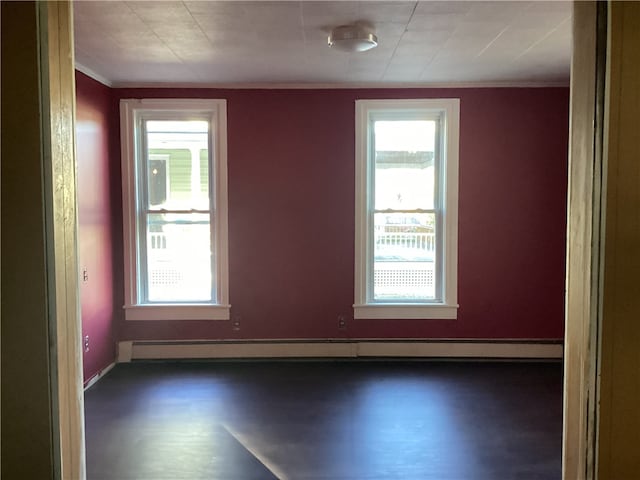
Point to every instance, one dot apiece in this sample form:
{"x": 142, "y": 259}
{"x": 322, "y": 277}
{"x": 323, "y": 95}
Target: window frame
{"x": 446, "y": 203}
{"x": 215, "y": 111}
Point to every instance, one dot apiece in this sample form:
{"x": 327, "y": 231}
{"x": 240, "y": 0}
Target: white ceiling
{"x": 264, "y": 42}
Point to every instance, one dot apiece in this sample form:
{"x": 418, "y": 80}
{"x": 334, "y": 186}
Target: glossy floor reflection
{"x": 326, "y": 420}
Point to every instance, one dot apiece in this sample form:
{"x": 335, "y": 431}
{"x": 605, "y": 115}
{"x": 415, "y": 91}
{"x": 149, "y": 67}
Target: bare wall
{"x": 95, "y": 224}
{"x": 291, "y": 210}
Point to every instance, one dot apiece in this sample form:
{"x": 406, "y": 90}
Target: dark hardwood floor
{"x": 326, "y": 420}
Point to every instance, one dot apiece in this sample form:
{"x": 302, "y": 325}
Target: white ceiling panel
{"x": 425, "y": 8}
{"x": 264, "y": 42}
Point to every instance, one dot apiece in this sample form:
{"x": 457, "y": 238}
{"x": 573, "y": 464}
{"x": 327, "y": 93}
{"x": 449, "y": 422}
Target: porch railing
{"x": 410, "y": 240}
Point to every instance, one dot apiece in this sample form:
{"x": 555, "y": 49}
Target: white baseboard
{"x": 93, "y": 380}
{"x": 515, "y": 349}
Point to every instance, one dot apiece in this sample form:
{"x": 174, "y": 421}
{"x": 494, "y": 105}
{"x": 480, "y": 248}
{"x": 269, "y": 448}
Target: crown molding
{"x": 337, "y": 86}
{"x": 97, "y": 77}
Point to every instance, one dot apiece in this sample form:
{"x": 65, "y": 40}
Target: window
{"x": 175, "y": 209}
{"x": 406, "y": 208}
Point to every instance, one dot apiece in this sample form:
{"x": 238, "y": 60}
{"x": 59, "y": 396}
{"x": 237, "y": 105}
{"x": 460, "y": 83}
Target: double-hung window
{"x": 175, "y": 209}
{"x": 406, "y": 208}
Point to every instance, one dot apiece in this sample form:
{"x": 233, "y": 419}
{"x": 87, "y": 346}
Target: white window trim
{"x": 174, "y": 311}
{"x": 364, "y": 307}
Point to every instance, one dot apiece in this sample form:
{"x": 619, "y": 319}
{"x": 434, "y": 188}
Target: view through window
{"x": 174, "y": 172}
{"x": 406, "y": 208}
{"x": 177, "y": 256}
{"x": 405, "y": 215}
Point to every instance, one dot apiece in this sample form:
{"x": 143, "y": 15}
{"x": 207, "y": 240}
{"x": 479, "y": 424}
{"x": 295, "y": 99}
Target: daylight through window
{"x": 174, "y": 167}
{"x": 406, "y": 208}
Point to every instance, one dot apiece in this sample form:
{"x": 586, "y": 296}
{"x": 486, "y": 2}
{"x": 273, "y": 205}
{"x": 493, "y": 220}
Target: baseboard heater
{"x": 364, "y": 348}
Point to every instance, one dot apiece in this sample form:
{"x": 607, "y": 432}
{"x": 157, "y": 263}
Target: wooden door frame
{"x": 42, "y": 397}
{"x": 585, "y": 240}
{"x": 61, "y": 225}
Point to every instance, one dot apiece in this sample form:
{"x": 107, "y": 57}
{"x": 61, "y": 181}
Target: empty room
{"x": 320, "y": 240}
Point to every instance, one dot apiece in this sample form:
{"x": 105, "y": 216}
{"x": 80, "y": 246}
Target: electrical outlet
{"x": 236, "y": 323}
{"x": 342, "y": 322}
{"x": 86, "y": 343}
{"x": 85, "y": 275}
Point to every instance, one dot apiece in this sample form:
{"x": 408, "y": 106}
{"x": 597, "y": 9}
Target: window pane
{"x": 204, "y": 170}
{"x": 157, "y": 178}
{"x": 404, "y": 170}
{"x": 404, "y": 266}
{"x": 178, "y": 258}
{"x": 177, "y": 156}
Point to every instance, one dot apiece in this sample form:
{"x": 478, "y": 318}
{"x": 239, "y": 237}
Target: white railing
{"x": 408, "y": 268}
{"x": 157, "y": 241}
{"x": 412, "y": 240}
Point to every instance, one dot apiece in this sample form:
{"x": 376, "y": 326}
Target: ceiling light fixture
{"x": 352, "y": 38}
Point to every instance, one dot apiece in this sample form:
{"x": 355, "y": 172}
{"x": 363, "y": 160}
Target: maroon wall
{"x": 94, "y": 117}
{"x": 291, "y": 216}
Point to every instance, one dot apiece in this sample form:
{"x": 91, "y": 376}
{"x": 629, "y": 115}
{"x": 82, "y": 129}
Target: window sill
{"x": 177, "y": 312}
{"x": 405, "y": 311}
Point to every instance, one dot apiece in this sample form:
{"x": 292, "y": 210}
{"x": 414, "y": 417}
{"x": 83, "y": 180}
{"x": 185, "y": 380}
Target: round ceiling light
{"x": 352, "y": 38}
